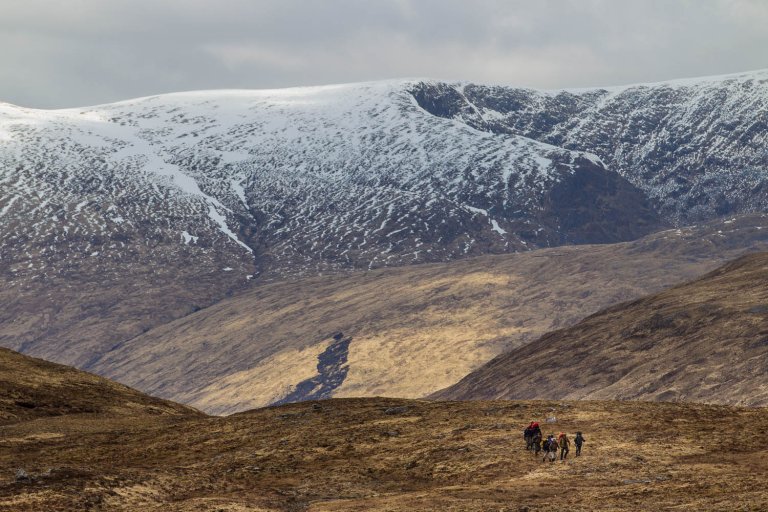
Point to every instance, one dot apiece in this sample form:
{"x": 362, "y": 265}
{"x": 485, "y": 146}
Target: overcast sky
{"x": 63, "y": 53}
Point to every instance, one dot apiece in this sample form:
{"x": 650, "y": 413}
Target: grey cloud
{"x": 58, "y": 54}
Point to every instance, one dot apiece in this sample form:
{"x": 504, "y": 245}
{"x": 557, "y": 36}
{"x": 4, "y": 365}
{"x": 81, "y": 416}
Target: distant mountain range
{"x": 292, "y": 181}
{"x": 120, "y": 218}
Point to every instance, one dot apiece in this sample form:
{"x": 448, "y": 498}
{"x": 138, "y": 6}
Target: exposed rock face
{"x": 697, "y": 147}
{"x": 704, "y": 341}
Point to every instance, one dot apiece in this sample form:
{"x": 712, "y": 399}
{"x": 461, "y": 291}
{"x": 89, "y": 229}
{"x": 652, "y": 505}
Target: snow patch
{"x": 222, "y": 223}
{"x": 476, "y": 210}
{"x": 237, "y": 186}
{"x": 188, "y": 238}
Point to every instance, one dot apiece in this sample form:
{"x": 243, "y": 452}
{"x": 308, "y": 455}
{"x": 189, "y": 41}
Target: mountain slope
{"x": 128, "y": 215}
{"x": 119, "y": 218}
{"x": 702, "y": 341}
{"x": 308, "y": 176}
{"x": 407, "y": 331}
{"x": 696, "y": 146}
{"x": 32, "y": 388}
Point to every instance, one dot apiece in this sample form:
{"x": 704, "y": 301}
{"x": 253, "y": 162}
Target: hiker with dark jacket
{"x": 564, "y": 443}
{"x": 528, "y": 436}
{"x": 550, "y": 448}
{"x": 578, "y": 441}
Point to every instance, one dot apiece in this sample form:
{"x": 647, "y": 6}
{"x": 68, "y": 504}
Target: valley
{"x": 123, "y": 225}
{"x": 413, "y": 330}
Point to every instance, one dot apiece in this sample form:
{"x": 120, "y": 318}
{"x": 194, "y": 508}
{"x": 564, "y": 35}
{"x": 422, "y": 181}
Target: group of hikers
{"x": 535, "y": 442}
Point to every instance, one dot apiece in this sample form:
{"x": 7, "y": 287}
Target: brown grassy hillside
{"x": 32, "y": 388}
{"x": 702, "y": 341}
{"x": 413, "y": 330}
{"x": 391, "y": 455}
{"x": 74, "y": 317}
{"x": 89, "y": 444}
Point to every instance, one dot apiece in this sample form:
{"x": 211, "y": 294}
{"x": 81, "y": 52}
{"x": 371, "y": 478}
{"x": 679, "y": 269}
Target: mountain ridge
{"x": 694, "y": 146}
{"x": 406, "y": 80}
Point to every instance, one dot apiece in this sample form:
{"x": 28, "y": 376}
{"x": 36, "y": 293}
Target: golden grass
{"x": 415, "y": 330}
{"x": 705, "y": 340}
{"x": 273, "y": 378}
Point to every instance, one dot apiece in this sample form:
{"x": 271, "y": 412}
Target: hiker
{"x": 537, "y": 442}
{"x": 528, "y": 436}
{"x": 530, "y": 433}
{"x": 578, "y": 441}
{"x": 550, "y": 448}
{"x": 564, "y": 443}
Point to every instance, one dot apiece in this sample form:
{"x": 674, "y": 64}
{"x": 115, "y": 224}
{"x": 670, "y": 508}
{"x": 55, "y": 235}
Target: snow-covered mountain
{"x": 120, "y": 217}
{"x": 295, "y": 180}
{"x": 698, "y": 147}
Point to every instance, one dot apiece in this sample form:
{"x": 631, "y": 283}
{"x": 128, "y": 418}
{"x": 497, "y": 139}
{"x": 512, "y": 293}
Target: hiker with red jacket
{"x": 530, "y": 434}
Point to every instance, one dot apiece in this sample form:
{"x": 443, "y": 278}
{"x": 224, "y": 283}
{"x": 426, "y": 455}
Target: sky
{"x": 68, "y": 53}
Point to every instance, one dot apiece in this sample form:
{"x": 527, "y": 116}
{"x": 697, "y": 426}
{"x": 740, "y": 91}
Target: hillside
{"x": 394, "y": 455}
{"x": 32, "y": 388}
{"x": 407, "y": 331}
{"x": 293, "y": 181}
{"x": 704, "y": 341}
